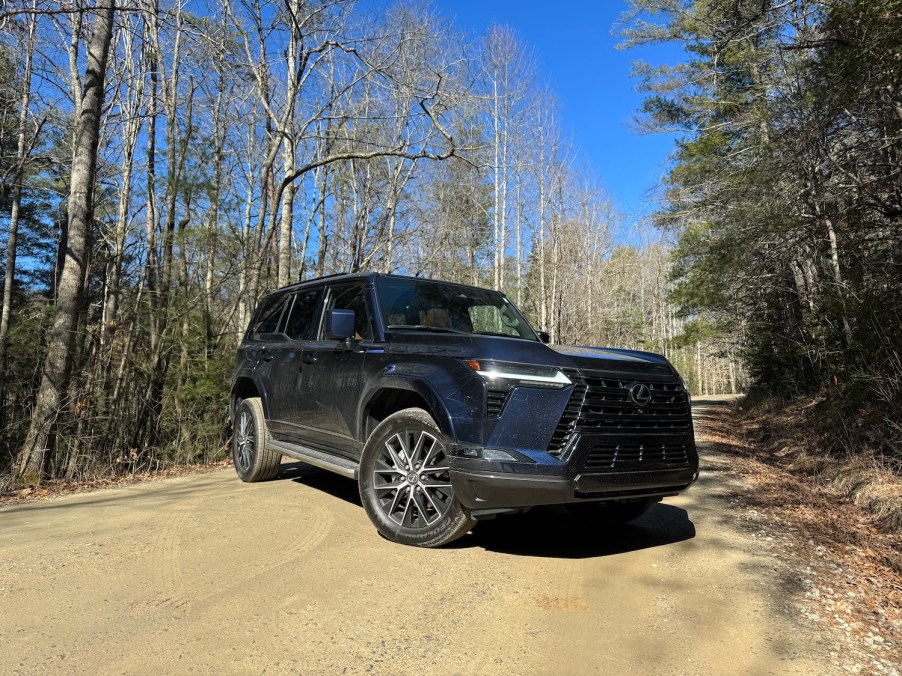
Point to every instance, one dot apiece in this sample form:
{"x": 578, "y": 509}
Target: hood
{"x": 531, "y": 352}
{"x": 613, "y": 359}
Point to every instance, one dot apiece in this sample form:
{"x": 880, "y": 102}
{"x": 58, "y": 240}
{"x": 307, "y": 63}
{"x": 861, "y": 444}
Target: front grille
{"x": 607, "y": 406}
{"x": 601, "y": 404}
{"x": 636, "y": 456}
{"x": 495, "y": 401}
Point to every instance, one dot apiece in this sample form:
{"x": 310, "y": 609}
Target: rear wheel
{"x": 254, "y": 460}
{"x": 405, "y": 482}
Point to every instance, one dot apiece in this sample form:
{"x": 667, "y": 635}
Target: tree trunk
{"x": 18, "y": 176}
{"x": 839, "y": 281}
{"x": 56, "y": 369}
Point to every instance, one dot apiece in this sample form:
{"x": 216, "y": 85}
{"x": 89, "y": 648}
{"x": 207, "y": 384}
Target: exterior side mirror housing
{"x": 339, "y": 324}
{"x": 544, "y": 337}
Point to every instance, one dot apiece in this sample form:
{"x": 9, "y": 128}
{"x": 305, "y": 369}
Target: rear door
{"x": 299, "y": 326}
{"x": 267, "y": 350}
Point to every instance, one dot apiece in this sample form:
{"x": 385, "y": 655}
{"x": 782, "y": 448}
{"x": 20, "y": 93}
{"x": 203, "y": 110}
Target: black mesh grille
{"x": 636, "y": 456}
{"x": 607, "y": 405}
{"x": 601, "y": 404}
{"x": 494, "y": 402}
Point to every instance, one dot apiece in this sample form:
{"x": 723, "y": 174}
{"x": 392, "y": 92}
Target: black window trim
{"x": 254, "y": 335}
{"x": 327, "y": 297}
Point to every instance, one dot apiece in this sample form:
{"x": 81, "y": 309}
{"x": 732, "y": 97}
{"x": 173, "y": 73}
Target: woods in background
{"x": 785, "y": 196}
{"x": 166, "y": 164}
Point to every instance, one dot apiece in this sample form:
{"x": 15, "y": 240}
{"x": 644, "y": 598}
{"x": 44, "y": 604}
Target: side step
{"x": 327, "y": 461}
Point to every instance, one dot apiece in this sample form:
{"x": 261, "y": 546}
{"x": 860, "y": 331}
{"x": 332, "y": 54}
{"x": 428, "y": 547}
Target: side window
{"x": 267, "y": 320}
{"x": 304, "y": 318}
{"x": 351, "y": 297}
{"x": 492, "y": 319}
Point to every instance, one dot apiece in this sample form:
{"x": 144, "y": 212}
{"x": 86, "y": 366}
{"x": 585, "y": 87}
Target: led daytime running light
{"x": 491, "y": 374}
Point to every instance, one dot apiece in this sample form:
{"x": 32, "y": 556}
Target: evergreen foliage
{"x": 785, "y": 191}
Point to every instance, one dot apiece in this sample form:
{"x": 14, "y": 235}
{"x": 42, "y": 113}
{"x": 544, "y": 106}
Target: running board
{"x": 327, "y": 461}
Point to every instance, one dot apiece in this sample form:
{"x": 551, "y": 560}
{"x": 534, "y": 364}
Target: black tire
{"x": 251, "y": 452}
{"x": 405, "y": 484}
{"x": 611, "y": 514}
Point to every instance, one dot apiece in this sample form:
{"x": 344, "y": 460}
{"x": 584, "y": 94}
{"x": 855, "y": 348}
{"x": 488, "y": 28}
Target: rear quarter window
{"x": 268, "y": 317}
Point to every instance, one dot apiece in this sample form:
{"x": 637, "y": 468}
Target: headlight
{"x": 513, "y": 374}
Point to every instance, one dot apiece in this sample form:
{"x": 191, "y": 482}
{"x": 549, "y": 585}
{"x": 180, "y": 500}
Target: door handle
{"x": 308, "y": 357}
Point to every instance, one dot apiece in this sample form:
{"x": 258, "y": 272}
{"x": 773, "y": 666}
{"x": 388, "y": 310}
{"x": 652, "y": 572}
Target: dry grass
{"x": 850, "y": 455}
{"x": 843, "y": 517}
{"x": 55, "y": 487}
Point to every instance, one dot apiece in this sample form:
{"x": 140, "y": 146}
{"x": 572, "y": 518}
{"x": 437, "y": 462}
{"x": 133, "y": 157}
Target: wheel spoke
{"x": 428, "y": 494}
{"x": 404, "y": 516}
{"x": 435, "y": 446}
{"x": 405, "y": 447}
{"x": 393, "y": 455}
{"x": 421, "y": 508}
{"x": 396, "y": 501}
{"x": 438, "y": 486}
{"x": 382, "y": 468}
{"x": 418, "y": 449}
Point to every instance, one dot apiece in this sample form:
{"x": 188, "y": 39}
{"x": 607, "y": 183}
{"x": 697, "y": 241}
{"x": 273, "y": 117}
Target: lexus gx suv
{"x": 447, "y": 407}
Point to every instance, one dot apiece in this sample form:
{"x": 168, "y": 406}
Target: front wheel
{"x": 405, "y": 482}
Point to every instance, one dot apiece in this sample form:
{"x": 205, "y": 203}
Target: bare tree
{"x": 58, "y": 359}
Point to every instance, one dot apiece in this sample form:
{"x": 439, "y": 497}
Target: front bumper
{"x": 491, "y": 491}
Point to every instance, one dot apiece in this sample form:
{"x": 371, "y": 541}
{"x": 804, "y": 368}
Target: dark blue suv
{"x": 445, "y": 406}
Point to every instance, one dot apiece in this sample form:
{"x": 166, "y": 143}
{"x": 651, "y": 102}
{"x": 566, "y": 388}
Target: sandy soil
{"x": 205, "y": 574}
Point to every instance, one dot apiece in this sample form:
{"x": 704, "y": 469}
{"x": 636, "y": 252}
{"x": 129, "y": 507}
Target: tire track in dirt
{"x": 169, "y": 588}
{"x": 566, "y": 594}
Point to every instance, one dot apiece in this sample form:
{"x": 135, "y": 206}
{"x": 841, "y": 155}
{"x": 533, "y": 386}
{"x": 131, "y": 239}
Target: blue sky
{"x": 575, "y": 54}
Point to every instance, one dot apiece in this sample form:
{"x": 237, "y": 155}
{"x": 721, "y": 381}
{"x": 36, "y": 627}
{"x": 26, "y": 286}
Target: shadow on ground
{"x": 553, "y": 533}
{"x": 544, "y": 531}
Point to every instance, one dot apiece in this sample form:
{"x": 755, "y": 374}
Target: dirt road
{"x": 205, "y": 574}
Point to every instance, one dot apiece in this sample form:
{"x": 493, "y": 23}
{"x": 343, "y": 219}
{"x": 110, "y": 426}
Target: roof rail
{"x": 363, "y": 273}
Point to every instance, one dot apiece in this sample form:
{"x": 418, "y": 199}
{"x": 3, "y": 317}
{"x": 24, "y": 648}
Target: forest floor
{"x": 846, "y": 557}
{"x": 753, "y": 570}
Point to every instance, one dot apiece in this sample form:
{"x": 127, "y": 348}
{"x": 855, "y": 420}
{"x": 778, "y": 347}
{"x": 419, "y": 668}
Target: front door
{"x": 329, "y": 388}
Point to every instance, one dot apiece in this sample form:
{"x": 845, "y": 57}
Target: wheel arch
{"x": 398, "y": 396}
{"x": 243, "y": 388}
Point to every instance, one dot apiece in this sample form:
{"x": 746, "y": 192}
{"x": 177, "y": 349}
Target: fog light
{"x": 498, "y": 454}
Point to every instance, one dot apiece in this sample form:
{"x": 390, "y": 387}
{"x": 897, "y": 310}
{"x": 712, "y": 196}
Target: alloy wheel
{"x": 412, "y": 479}
{"x": 245, "y": 441}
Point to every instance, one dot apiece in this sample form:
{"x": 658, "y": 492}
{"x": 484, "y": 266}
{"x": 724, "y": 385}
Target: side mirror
{"x": 339, "y": 324}
{"x": 544, "y": 337}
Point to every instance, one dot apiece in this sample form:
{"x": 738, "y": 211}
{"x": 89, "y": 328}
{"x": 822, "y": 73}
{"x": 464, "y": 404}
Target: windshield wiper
{"x": 498, "y": 333}
{"x": 424, "y": 327}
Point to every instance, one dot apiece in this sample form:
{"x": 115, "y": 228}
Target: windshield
{"x": 421, "y": 304}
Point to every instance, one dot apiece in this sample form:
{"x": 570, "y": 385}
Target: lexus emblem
{"x": 639, "y": 393}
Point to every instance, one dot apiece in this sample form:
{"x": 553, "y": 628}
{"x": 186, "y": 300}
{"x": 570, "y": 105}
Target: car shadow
{"x": 552, "y": 532}
{"x": 549, "y": 532}
{"x": 321, "y": 480}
